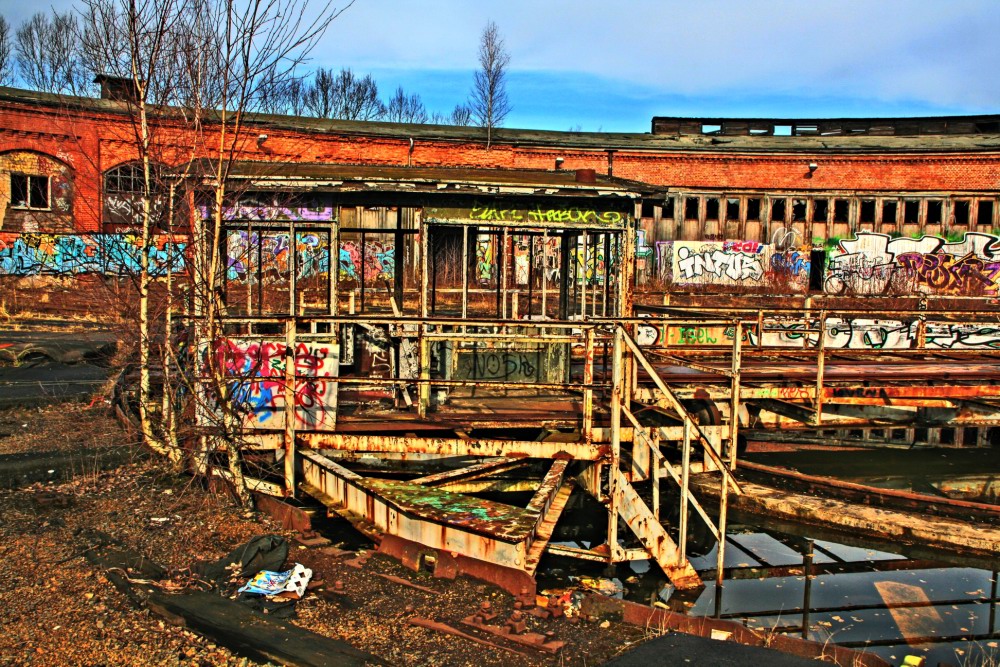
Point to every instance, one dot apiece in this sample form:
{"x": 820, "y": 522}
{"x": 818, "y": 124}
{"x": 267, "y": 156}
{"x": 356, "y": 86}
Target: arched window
{"x": 125, "y": 192}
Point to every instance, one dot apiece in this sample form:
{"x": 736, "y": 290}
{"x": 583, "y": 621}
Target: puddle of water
{"x": 858, "y": 595}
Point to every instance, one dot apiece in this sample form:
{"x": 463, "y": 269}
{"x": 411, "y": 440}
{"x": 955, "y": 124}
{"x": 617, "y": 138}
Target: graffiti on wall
{"x": 30, "y": 254}
{"x": 265, "y": 207}
{"x": 545, "y": 215}
{"x": 267, "y": 256}
{"x": 874, "y": 263}
{"x": 838, "y": 333}
{"x": 257, "y": 385}
{"x": 718, "y": 262}
{"x": 374, "y": 261}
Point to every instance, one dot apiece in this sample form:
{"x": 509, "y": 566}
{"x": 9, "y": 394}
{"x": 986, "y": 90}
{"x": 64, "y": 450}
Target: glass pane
{"x": 18, "y": 190}
{"x": 39, "y": 196}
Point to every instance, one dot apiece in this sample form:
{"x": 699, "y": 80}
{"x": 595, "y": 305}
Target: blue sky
{"x": 611, "y": 66}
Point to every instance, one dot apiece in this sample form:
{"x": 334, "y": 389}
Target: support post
{"x": 807, "y": 563}
{"x": 685, "y": 491}
{"x": 465, "y": 271}
{"x": 290, "y": 407}
{"x": 588, "y": 388}
{"x": 583, "y": 276}
{"x": 616, "y": 423}
{"x": 545, "y": 277}
{"x": 734, "y": 390}
{"x": 334, "y": 282}
{"x": 424, "y": 402}
{"x": 820, "y": 367}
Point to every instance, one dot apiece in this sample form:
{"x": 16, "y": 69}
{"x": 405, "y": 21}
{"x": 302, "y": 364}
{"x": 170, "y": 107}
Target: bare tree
{"x": 318, "y": 98}
{"x": 48, "y": 54}
{"x": 343, "y": 95}
{"x": 217, "y": 62}
{"x": 461, "y": 115}
{"x": 489, "y": 102}
{"x": 258, "y": 40}
{"x": 6, "y": 64}
{"x": 295, "y": 90}
{"x": 403, "y": 108}
{"x": 137, "y": 42}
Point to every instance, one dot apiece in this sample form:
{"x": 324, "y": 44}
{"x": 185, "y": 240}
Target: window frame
{"x": 28, "y": 190}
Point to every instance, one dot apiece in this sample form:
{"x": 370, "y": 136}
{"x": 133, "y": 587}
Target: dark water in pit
{"x": 862, "y": 597}
{"x": 870, "y": 596}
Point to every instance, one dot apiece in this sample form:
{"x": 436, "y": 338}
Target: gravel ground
{"x": 68, "y": 427}
{"x": 60, "y": 610}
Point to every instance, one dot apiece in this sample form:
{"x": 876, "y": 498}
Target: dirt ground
{"x": 60, "y": 610}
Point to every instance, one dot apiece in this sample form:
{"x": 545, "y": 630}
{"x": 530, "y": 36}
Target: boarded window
{"x": 984, "y": 217}
{"x": 732, "y": 209}
{"x": 711, "y": 208}
{"x": 798, "y": 210}
{"x": 911, "y": 211}
{"x": 961, "y": 212}
{"x": 841, "y": 210}
{"x": 867, "y": 210}
{"x": 27, "y": 191}
{"x": 777, "y": 210}
{"x": 753, "y": 209}
{"x": 934, "y": 212}
{"x": 691, "y": 206}
{"x": 889, "y": 212}
{"x": 821, "y": 208}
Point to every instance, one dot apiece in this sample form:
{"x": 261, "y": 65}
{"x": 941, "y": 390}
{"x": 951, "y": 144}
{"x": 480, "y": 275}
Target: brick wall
{"x": 87, "y": 143}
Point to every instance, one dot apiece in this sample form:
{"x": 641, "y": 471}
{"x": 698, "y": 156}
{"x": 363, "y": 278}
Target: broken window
{"x": 934, "y": 212}
{"x": 841, "y": 210}
{"x": 753, "y": 209}
{"x": 711, "y": 129}
{"x": 984, "y": 217}
{"x": 777, "y": 210}
{"x": 961, "y": 212}
{"x": 911, "y": 211}
{"x": 711, "y": 208}
{"x": 691, "y": 208}
{"x": 28, "y": 191}
{"x": 647, "y": 208}
{"x": 668, "y": 207}
{"x": 888, "y": 212}
{"x": 783, "y": 130}
{"x": 732, "y": 209}
{"x": 821, "y": 208}
{"x": 867, "y": 210}
{"x": 125, "y": 191}
{"x": 798, "y": 210}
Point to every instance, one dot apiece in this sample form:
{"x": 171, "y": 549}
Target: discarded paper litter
{"x": 290, "y": 584}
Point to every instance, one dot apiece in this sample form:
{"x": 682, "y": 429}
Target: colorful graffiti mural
{"x": 268, "y": 255}
{"x": 838, "y": 333}
{"x": 718, "y": 262}
{"x": 874, "y": 263}
{"x": 29, "y": 254}
{"x": 257, "y": 385}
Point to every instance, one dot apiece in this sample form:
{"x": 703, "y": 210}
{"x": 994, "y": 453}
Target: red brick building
{"x": 65, "y": 165}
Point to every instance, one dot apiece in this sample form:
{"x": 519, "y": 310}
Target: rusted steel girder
{"x": 580, "y": 451}
{"x": 500, "y": 543}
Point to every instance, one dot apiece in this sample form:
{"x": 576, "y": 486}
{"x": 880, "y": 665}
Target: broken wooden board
{"x": 249, "y": 634}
